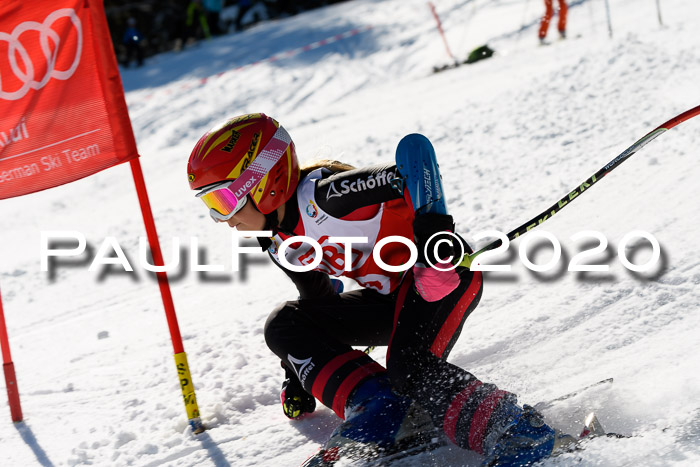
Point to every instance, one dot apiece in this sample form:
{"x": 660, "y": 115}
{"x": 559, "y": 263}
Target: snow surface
{"x": 513, "y": 134}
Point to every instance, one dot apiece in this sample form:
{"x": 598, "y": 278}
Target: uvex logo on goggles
{"x": 245, "y": 189}
{"x": 224, "y": 200}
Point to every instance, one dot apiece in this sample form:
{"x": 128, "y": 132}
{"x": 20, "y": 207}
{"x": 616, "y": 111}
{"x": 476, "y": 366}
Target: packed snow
{"x": 513, "y": 134}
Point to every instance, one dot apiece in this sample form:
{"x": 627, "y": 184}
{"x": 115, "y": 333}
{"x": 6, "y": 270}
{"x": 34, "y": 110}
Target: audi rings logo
{"x": 21, "y": 58}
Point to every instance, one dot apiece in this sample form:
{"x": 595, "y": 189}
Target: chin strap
{"x": 271, "y": 223}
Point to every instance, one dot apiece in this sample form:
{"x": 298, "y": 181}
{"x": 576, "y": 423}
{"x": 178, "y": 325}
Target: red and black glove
{"x": 427, "y": 225}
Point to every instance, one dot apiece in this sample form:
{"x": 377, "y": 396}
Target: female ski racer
{"x": 247, "y": 173}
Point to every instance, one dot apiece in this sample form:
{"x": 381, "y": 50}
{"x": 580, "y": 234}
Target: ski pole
{"x": 607, "y": 13}
{"x": 658, "y": 11}
{"x": 609, "y": 167}
{"x": 549, "y": 403}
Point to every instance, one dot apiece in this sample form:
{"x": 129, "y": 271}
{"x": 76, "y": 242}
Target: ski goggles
{"x": 221, "y": 201}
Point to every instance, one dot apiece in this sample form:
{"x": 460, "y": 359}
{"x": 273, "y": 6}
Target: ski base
{"x": 417, "y": 164}
{"x": 369, "y": 456}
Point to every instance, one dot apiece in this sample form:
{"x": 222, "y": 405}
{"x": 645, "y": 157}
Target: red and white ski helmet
{"x": 226, "y": 152}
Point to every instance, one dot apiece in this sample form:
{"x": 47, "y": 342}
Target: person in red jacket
{"x": 549, "y": 12}
{"x": 246, "y": 172}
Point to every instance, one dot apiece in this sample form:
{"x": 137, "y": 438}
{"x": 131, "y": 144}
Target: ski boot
{"x": 524, "y": 439}
{"x": 378, "y": 422}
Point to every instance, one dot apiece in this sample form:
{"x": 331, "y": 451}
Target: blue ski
{"x": 416, "y": 162}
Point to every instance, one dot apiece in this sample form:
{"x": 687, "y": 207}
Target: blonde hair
{"x": 330, "y": 164}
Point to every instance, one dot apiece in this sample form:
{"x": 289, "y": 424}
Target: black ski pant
{"x": 314, "y": 338}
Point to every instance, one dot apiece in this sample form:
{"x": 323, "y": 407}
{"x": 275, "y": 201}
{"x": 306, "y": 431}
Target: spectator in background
{"x": 196, "y": 23}
{"x": 243, "y": 7}
{"x": 549, "y": 12}
{"x": 212, "y": 10}
{"x": 132, "y": 40}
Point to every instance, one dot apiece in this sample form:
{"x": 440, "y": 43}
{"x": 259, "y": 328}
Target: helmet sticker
{"x": 254, "y": 144}
{"x": 232, "y": 141}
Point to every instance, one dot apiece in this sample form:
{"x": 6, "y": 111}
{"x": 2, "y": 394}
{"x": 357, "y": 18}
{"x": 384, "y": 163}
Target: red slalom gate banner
{"x": 63, "y": 117}
{"x": 62, "y": 110}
